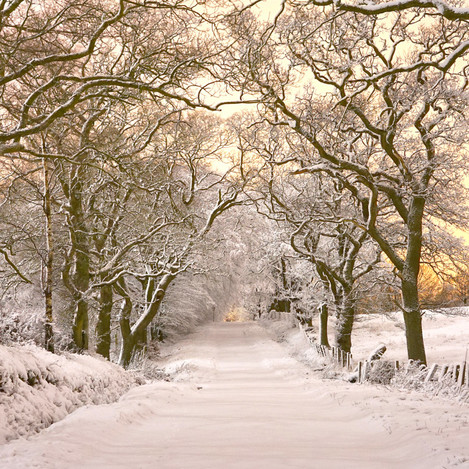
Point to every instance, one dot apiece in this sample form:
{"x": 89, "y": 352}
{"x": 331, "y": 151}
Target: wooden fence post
{"x": 462, "y": 374}
{"x": 366, "y": 366}
{"x": 451, "y": 371}
{"x": 443, "y": 372}
{"x": 349, "y": 360}
{"x": 431, "y": 373}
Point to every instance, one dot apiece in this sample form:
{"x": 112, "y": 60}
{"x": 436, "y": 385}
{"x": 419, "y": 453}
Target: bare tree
{"x": 316, "y": 212}
{"x": 71, "y": 76}
{"x": 172, "y": 199}
{"x": 55, "y": 57}
{"x": 384, "y": 123}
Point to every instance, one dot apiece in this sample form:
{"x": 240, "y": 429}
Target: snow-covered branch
{"x": 435, "y": 6}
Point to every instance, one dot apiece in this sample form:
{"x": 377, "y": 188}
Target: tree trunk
{"x": 127, "y": 350}
{"x": 81, "y": 278}
{"x": 48, "y": 265}
{"x": 133, "y": 337}
{"x": 413, "y": 322}
{"x": 345, "y": 319}
{"x": 409, "y": 283}
{"x": 103, "y": 326}
{"x": 141, "y": 341}
{"x": 132, "y": 343}
{"x": 81, "y": 325}
{"x": 323, "y": 319}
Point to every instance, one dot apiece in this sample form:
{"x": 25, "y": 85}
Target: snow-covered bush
{"x": 21, "y": 328}
{"x": 381, "y": 372}
{"x": 413, "y": 377}
{"x": 38, "y": 388}
{"x": 21, "y": 317}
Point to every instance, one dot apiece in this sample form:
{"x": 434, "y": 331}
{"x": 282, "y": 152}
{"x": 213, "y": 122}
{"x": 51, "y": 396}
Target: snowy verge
{"x": 38, "y": 388}
{"x": 297, "y": 345}
{"x": 408, "y": 378}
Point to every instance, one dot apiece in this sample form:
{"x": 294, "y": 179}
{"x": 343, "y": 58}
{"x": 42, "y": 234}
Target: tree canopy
{"x": 120, "y": 180}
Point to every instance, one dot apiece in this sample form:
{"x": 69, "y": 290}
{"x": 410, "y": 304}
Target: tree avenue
{"x": 380, "y": 101}
{"x": 118, "y": 178}
{"x": 315, "y": 212}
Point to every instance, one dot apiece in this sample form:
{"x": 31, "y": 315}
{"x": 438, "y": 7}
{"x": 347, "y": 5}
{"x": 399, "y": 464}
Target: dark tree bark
{"x": 323, "y": 320}
{"x": 409, "y": 282}
{"x": 344, "y": 327}
{"x": 103, "y": 326}
{"x": 81, "y": 277}
{"x": 124, "y": 323}
{"x": 49, "y": 263}
{"x": 134, "y": 336}
{"x": 282, "y": 303}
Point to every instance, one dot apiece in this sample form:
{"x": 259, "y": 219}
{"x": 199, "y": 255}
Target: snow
{"x": 38, "y": 388}
{"x": 445, "y": 335}
{"x": 395, "y": 5}
{"x": 239, "y": 399}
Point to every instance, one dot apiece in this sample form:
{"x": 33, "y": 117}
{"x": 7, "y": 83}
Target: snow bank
{"x": 38, "y": 388}
{"x": 295, "y": 341}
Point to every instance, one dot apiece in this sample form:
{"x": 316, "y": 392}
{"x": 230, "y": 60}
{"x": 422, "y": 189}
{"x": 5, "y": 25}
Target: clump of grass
{"x": 413, "y": 377}
{"x": 381, "y": 372}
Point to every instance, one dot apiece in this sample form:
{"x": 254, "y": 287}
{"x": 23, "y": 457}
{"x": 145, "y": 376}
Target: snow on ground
{"x": 446, "y": 335}
{"x": 242, "y": 401}
{"x": 38, "y": 388}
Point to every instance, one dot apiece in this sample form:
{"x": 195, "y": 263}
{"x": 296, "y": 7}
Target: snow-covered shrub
{"x": 21, "y": 317}
{"x": 38, "y": 388}
{"x": 18, "y": 327}
{"x": 413, "y": 377}
{"x": 381, "y": 372}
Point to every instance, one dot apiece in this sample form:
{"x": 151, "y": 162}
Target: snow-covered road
{"x": 243, "y": 402}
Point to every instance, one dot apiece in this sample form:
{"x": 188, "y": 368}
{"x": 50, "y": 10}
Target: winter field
{"x": 446, "y": 335}
{"x": 249, "y": 395}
